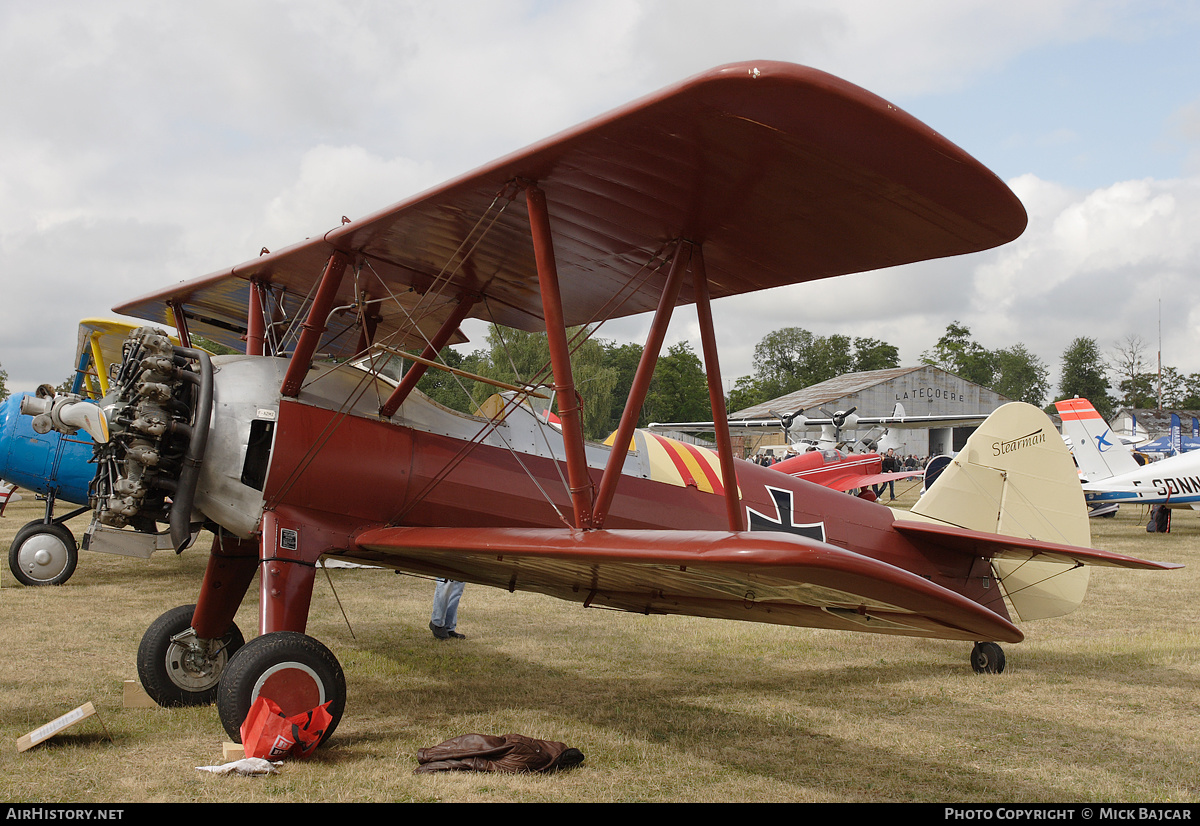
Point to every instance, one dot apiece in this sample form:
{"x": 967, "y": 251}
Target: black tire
{"x": 176, "y": 674}
{"x": 987, "y": 658}
{"x": 294, "y": 670}
{"x": 43, "y": 553}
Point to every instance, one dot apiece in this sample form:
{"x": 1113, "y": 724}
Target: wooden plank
{"x": 52, "y": 728}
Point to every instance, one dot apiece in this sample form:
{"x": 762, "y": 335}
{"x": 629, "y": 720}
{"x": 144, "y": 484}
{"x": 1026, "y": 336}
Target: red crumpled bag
{"x": 266, "y": 733}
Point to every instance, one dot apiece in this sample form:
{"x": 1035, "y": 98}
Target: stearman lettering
{"x": 1029, "y": 440}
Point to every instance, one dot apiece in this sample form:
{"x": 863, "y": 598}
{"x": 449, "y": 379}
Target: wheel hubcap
{"x": 43, "y": 557}
{"x": 294, "y": 686}
{"x": 190, "y": 666}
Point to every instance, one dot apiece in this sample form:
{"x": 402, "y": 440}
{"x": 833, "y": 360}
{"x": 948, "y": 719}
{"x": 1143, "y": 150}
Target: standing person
{"x": 891, "y": 464}
{"x": 444, "y": 620}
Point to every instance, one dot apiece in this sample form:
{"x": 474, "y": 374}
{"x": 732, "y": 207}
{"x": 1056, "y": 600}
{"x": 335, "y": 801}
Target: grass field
{"x": 1100, "y": 705}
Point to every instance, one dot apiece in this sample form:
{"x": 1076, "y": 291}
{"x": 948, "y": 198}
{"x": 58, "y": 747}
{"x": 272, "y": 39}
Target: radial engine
{"x": 158, "y": 410}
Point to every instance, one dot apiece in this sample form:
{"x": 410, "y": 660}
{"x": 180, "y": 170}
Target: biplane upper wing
{"x": 761, "y": 576}
{"x": 97, "y": 346}
{"x": 782, "y": 174}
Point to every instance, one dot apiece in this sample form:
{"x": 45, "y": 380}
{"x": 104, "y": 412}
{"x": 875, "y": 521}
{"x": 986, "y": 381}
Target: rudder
{"x": 1016, "y": 477}
{"x": 1100, "y": 452}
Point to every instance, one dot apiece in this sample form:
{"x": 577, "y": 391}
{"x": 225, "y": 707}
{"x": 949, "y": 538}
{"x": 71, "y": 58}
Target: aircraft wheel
{"x": 43, "y": 553}
{"x": 294, "y": 670}
{"x": 987, "y": 658}
{"x": 176, "y": 667}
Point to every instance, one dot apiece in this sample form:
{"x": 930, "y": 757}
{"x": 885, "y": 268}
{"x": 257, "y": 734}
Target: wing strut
{"x": 708, "y": 345}
{"x": 310, "y": 335}
{"x": 578, "y": 479}
{"x": 641, "y": 380}
{"x": 255, "y": 326}
{"x": 370, "y": 322}
{"x": 185, "y": 339}
{"x": 435, "y": 345}
{"x": 97, "y": 363}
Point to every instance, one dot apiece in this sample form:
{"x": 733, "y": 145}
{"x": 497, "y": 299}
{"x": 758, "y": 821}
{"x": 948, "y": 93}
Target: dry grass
{"x": 1099, "y": 705}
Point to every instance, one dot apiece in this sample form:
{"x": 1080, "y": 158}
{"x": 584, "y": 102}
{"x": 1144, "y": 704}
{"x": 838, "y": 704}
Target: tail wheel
{"x": 176, "y": 667}
{"x": 294, "y": 670}
{"x": 987, "y": 658}
{"x": 43, "y": 553}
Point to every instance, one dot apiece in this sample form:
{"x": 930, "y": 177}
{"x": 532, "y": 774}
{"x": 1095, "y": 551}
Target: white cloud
{"x": 147, "y": 142}
{"x": 340, "y": 181}
{"x": 1094, "y": 264}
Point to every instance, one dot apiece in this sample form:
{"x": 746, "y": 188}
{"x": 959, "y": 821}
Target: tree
{"x": 956, "y": 352}
{"x": 1129, "y": 365}
{"x": 1192, "y": 400}
{"x": 1174, "y": 388}
{"x": 780, "y": 358}
{"x": 873, "y": 354}
{"x": 793, "y": 358}
{"x": 746, "y": 392}
{"x": 446, "y": 388}
{"x": 624, "y": 358}
{"x": 679, "y": 389}
{"x": 1140, "y": 391}
{"x": 1083, "y": 374}
{"x": 1020, "y": 375}
{"x": 519, "y": 357}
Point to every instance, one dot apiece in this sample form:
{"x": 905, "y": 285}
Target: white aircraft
{"x": 878, "y": 438}
{"x": 8, "y": 493}
{"x": 1113, "y": 475}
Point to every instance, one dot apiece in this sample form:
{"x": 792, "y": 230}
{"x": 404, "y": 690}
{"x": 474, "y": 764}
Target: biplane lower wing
{"x": 760, "y": 576}
{"x": 1015, "y": 548}
{"x": 863, "y": 481}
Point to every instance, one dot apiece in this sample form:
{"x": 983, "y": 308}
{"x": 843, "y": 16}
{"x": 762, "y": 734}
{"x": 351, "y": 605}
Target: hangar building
{"x": 923, "y": 391}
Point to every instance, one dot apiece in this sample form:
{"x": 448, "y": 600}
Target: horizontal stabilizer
{"x": 760, "y": 576}
{"x": 991, "y": 546}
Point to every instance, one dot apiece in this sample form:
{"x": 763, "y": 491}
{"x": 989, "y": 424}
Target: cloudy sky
{"x": 142, "y": 143}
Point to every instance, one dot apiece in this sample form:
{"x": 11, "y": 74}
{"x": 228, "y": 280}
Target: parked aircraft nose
{"x": 43, "y": 462}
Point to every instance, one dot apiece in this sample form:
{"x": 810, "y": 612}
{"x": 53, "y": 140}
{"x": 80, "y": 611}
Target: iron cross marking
{"x": 785, "y": 518}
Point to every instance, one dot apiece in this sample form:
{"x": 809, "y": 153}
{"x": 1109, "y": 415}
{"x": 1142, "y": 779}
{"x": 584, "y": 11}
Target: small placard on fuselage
{"x": 289, "y": 539}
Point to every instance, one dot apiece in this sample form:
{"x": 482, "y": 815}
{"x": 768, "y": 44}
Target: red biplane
{"x": 840, "y": 471}
{"x": 742, "y": 178}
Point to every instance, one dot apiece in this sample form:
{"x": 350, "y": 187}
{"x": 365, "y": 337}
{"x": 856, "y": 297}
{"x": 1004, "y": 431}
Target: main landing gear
{"x": 177, "y": 668}
{"x": 44, "y": 552}
{"x": 294, "y": 670}
{"x": 987, "y": 658}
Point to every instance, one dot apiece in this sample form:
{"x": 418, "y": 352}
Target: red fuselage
{"x": 368, "y": 473}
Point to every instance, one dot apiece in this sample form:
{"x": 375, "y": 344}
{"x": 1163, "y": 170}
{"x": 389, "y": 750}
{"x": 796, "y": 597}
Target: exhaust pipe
{"x": 180, "y": 517}
{"x": 66, "y": 414}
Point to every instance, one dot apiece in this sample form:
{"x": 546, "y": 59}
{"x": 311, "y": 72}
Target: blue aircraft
{"x": 54, "y": 466}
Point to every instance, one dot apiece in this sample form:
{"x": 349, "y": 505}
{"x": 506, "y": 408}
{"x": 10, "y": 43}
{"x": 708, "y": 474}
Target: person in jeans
{"x": 444, "y": 620}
